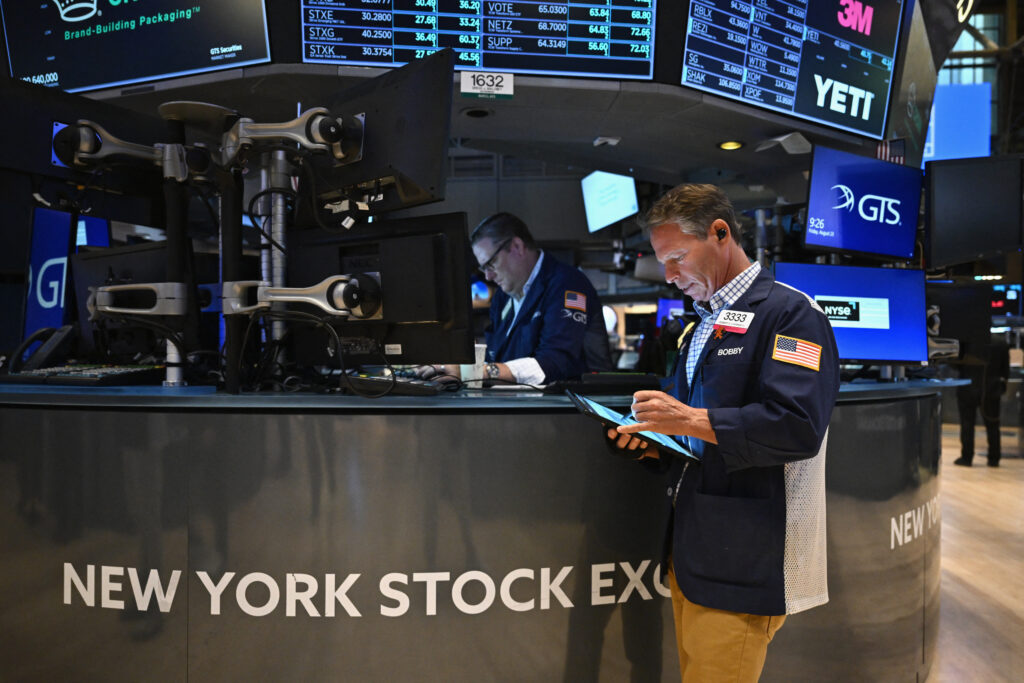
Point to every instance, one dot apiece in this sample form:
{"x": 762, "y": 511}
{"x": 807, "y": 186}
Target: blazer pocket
{"x": 731, "y": 540}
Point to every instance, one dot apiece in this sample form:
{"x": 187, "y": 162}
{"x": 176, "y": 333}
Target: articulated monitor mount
{"x": 349, "y": 296}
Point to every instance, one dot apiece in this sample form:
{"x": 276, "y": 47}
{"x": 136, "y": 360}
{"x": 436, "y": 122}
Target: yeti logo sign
{"x": 840, "y": 309}
{"x": 872, "y": 208}
{"x": 843, "y": 98}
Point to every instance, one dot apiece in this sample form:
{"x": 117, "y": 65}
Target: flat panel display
{"x": 80, "y": 45}
{"x": 669, "y": 308}
{"x": 974, "y": 209}
{"x": 830, "y": 62}
{"x": 878, "y": 314}
{"x": 605, "y": 38}
{"x": 862, "y": 205}
{"x": 608, "y": 198}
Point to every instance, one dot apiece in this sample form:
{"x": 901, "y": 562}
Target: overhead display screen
{"x": 828, "y": 61}
{"x": 605, "y": 38}
{"x": 860, "y": 204}
{"x": 80, "y": 45}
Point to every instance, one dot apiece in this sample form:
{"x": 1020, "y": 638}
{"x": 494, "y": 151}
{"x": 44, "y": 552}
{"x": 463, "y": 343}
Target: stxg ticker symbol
{"x": 871, "y": 207}
{"x": 76, "y": 10}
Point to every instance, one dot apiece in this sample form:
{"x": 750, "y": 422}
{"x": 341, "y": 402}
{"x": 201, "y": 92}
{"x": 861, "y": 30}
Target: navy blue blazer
{"x": 559, "y": 324}
{"x": 747, "y": 529}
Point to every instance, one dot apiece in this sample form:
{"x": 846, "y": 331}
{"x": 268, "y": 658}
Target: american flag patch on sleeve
{"x": 576, "y": 300}
{"x": 797, "y": 352}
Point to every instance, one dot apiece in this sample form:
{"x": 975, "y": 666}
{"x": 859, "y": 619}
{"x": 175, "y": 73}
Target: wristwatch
{"x": 493, "y": 371}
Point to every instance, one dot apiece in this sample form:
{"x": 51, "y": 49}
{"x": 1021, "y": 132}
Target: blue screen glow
{"x": 960, "y": 126}
{"x": 862, "y": 205}
{"x": 877, "y": 314}
{"x": 47, "y": 274}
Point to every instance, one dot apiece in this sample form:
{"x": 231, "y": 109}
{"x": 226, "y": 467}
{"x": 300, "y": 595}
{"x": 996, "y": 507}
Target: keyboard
{"x": 89, "y": 375}
{"x": 376, "y": 385}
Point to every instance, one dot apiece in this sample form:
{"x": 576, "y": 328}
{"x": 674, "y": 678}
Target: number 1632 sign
{"x": 486, "y": 85}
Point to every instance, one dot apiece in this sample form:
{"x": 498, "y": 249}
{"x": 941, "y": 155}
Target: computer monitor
{"x": 878, "y": 315}
{"x": 88, "y": 44}
{"x": 862, "y": 205}
{"x": 56, "y": 235}
{"x": 974, "y": 209}
{"x": 608, "y": 198}
{"x": 405, "y": 138}
{"x": 424, "y": 264}
{"x": 669, "y": 308}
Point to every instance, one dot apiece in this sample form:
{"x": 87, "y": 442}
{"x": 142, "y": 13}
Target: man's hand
{"x": 656, "y": 411}
{"x": 437, "y": 372}
{"x": 625, "y": 442}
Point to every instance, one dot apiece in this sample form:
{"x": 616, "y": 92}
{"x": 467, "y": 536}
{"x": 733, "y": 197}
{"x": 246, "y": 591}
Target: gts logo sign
{"x": 872, "y": 208}
{"x": 840, "y": 310}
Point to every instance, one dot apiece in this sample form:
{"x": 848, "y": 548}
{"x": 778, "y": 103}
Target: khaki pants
{"x": 716, "y": 646}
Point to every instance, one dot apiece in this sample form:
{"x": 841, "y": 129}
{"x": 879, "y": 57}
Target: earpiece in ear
{"x": 721, "y": 234}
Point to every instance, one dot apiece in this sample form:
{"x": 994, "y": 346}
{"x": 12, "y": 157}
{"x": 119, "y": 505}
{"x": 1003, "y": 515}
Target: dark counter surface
{"x": 208, "y": 398}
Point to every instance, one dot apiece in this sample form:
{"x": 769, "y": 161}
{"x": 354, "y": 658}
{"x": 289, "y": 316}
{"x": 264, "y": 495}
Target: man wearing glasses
{"x": 546, "y": 322}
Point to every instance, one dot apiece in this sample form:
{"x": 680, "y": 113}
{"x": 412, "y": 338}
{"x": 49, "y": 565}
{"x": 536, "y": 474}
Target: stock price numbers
{"x": 613, "y": 40}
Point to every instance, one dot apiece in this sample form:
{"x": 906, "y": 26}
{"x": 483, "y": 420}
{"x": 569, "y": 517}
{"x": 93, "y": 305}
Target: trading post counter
{"x": 180, "y": 534}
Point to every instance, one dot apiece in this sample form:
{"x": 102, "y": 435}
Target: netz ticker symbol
{"x": 76, "y": 10}
{"x": 871, "y": 207}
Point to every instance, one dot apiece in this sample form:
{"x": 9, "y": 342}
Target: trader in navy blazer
{"x": 752, "y": 396}
{"x": 546, "y": 322}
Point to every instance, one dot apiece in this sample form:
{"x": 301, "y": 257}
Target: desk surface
{"x": 207, "y": 398}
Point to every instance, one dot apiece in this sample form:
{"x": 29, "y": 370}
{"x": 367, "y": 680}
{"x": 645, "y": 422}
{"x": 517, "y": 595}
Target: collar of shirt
{"x": 728, "y": 294}
{"x": 723, "y": 298}
{"x": 517, "y": 302}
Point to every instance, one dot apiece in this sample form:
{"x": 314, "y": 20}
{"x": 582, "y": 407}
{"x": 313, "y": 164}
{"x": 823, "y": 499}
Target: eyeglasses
{"x": 489, "y": 263}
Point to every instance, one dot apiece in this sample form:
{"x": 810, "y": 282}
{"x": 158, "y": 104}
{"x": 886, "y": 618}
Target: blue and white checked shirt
{"x": 722, "y": 299}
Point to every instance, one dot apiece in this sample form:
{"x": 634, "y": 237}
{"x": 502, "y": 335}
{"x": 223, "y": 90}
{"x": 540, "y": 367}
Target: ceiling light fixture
{"x": 730, "y": 145}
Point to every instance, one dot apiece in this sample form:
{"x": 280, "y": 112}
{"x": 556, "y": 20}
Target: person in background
{"x": 988, "y": 376}
{"x": 752, "y": 395}
{"x": 547, "y": 322}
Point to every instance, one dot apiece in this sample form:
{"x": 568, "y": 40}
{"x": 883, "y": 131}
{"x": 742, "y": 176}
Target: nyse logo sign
{"x": 840, "y": 309}
{"x": 844, "y": 98}
{"x": 872, "y": 208}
